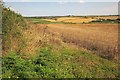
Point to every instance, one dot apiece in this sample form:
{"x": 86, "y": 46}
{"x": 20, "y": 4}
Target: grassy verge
{"x": 58, "y": 62}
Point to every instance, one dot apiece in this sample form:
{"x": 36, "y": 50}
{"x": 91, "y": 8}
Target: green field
{"x": 41, "y": 21}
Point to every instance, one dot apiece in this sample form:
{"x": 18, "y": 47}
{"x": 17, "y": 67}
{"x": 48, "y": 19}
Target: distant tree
{"x": 118, "y": 19}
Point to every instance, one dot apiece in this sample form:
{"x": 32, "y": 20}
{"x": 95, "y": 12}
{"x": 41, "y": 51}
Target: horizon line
{"x": 72, "y": 15}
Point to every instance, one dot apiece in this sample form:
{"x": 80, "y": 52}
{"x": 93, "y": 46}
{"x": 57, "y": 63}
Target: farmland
{"x": 59, "y": 47}
{"x": 101, "y": 38}
{"x": 75, "y": 19}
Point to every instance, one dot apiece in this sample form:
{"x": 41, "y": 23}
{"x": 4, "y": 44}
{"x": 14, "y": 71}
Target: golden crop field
{"x": 80, "y": 19}
{"x": 71, "y": 19}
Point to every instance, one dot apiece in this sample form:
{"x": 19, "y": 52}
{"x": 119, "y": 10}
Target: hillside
{"x": 36, "y": 51}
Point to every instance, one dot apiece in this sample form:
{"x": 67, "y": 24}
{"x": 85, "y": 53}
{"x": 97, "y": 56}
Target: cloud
{"x": 82, "y": 1}
{"x": 61, "y": 1}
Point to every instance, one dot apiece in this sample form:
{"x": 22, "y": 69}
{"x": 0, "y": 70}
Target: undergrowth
{"x": 58, "y": 63}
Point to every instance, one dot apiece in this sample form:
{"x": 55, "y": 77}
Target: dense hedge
{"x": 13, "y": 25}
{"x": 105, "y": 21}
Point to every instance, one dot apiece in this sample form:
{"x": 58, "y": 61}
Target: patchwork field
{"x": 78, "y": 20}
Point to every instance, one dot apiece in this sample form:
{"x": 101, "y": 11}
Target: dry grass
{"x": 99, "y": 38}
{"x": 38, "y": 36}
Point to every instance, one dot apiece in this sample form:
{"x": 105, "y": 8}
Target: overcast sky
{"x": 63, "y": 7}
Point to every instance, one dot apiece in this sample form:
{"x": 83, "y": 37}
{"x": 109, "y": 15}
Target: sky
{"x": 63, "y": 7}
{"x": 61, "y": 0}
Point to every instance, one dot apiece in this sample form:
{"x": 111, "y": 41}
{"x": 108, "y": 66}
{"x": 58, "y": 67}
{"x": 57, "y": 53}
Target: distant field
{"x": 71, "y": 19}
{"x": 76, "y": 20}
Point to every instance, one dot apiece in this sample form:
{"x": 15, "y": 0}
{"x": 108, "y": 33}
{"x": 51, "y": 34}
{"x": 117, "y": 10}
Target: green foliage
{"x": 62, "y": 63}
{"x": 12, "y": 21}
{"x": 14, "y": 66}
{"x": 105, "y": 21}
{"x": 13, "y": 25}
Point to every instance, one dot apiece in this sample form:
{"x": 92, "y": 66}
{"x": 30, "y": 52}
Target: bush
{"x": 105, "y": 21}
{"x": 13, "y": 26}
{"x": 14, "y": 66}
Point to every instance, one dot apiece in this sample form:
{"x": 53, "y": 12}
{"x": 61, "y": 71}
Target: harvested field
{"x": 102, "y": 39}
{"x": 71, "y": 19}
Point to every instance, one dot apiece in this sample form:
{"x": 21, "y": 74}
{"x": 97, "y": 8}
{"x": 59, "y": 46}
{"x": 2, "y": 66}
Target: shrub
{"x": 13, "y": 25}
